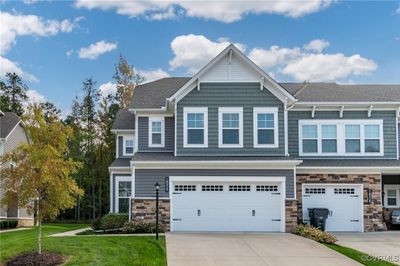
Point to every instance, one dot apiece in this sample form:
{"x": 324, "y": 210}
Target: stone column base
{"x": 145, "y": 210}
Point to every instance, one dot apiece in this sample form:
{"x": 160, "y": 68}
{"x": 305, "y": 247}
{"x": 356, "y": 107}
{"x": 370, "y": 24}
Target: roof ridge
{"x": 301, "y": 89}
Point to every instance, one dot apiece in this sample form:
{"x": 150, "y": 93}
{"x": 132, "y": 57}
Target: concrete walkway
{"x": 72, "y": 232}
{"x": 184, "y": 249}
{"x": 15, "y": 230}
{"x": 385, "y": 245}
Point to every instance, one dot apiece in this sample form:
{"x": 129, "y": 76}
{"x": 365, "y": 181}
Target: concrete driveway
{"x": 379, "y": 244}
{"x": 184, "y": 249}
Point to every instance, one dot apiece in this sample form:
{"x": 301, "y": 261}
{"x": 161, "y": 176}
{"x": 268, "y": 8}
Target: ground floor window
{"x": 392, "y": 196}
{"x": 123, "y": 194}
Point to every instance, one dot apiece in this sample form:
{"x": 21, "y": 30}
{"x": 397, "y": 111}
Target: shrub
{"x": 114, "y": 221}
{"x": 141, "y": 227}
{"x": 314, "y": 234}
{"x": 12, "y": 224}
{"x": 96, "y": 223}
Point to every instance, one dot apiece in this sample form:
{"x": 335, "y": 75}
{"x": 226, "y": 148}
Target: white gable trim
{"x": 276, "y": 89}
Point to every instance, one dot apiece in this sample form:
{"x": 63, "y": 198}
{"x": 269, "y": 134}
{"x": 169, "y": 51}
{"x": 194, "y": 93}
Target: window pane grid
{"x": 230, "y": 128}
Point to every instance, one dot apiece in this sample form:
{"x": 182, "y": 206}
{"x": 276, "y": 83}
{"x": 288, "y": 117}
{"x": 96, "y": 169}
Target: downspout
{"x": 285, "y": 118}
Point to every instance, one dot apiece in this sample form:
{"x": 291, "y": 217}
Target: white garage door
{"x": 227, "y": 206}
{"x": 343, "y": 201}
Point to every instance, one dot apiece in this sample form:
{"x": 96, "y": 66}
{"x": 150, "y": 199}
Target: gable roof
{"x": 154, "y": 94}
{"x": 124, "y": 120}
{"x": 333, "y": 93}
{"x": 8, "y": 121}
{"x": 274, "y": 87}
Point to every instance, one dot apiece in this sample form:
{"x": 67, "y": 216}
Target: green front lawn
{"x": 359, "y": 256}
{"x": 86, "y": 250}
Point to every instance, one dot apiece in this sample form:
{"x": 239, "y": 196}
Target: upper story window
{"x": 230, "y": 127}
{"x": 341, "y": 137}
{"x": 129, "y": 144}
{"x": 156, "y": 131}
{"x": 195, "y": 126}
{"x": 265, "y": 127}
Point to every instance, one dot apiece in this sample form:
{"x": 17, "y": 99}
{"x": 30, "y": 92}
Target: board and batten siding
{"x": 389, "y": 129}
{"x": 145, "y": 179}
{"x": 143, "y": 137}
{"x": 214, "y": 95}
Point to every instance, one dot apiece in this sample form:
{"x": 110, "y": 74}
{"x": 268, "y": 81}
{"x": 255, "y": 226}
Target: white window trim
{"x": 157, "y": 119}
{"x": 124, "y": 139}
{"x": 341, "y": 140}
{"x": 116, "y": 195}
{"x": 222, "y": 110}
{"x": 263, "y": 110}
{"x": 186, "y": 111}
{"x": 392, "y": 187}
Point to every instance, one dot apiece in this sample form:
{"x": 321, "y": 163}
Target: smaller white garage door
{"x": 345, "y": 203}
{"x": 227, "y": 206}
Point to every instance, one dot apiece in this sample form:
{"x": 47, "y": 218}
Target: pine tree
{"x": 13, "y": 94}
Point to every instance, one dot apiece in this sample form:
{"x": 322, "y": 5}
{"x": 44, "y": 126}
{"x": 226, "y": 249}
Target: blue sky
{"x": 55, "y": 45}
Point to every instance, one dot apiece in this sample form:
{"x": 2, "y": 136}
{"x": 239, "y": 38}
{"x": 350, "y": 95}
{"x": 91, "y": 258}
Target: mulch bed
{"x": 34, "y": 259}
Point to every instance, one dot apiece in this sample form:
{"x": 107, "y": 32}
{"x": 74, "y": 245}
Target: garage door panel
{"x": 343, "y": 201}
{"x": 232, "y": 209}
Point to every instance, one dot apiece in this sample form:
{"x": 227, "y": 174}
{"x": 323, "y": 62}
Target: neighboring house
{"x": 234, "y": 150}
{"x": 12, "y": 133}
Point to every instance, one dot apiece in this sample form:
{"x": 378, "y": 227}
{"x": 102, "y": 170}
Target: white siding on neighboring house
{"x": 16, "y": 137}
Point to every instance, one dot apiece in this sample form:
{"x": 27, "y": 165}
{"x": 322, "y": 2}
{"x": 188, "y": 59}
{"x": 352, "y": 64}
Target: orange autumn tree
{"x": 41, "y": 171}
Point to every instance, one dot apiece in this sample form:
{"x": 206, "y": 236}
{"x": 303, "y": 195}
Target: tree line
{"x": 91, "y": 142}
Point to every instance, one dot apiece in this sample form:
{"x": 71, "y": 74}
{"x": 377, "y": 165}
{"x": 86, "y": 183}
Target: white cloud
{"x": 107, "y": 88}
{"x": 14, "y": 25}
{"x": 150, "y": 75}
{"x": 274, "y": 56}
{"x": 95, "y": 50}
{"x": 302, "y": 63}
{"x": 194, "y": 51}
{"x": 224, "y": 11}
{"x": 317, "y": 45}
{"x": 7, "y": 66}
{"x": 35, "y": 97}
{"x": 30, "y": 2}
{"x": 328, "y": 67}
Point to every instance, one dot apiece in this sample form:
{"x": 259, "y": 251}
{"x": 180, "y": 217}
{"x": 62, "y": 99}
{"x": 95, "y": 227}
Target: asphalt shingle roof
{"x": 121, "y": 162}
{"x": 155, "y": 93}
{"x": 166, "y": 156}
{"x": 124, "y": 120}
{"x": 350, "y": 163}
{"x": 7, "y": 122}
{"x": 332, "y": 92}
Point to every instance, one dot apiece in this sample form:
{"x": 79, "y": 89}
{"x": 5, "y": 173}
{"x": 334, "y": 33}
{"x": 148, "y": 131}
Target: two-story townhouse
{"x": 234, "y": 150}
{"x": 12, "y": 133}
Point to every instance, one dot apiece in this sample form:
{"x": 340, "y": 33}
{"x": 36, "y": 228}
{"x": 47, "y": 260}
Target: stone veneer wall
{"x": 290, "y": 215}
{"x": 145, "y": 209}
{"x": 372, "y": 211}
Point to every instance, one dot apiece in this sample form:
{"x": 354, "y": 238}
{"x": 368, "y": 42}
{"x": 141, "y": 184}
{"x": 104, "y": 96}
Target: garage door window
{"x": 239, "y": 188}
{"x": 344, "y": 190}
{"x": 315, "y": 190}
{"x": 185, "y": 188}
{"x": 266, "y": 188}
{"x": 212, "y": 188}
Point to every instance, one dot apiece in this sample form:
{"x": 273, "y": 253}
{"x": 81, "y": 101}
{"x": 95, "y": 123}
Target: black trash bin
{"x": 318, "y": 217}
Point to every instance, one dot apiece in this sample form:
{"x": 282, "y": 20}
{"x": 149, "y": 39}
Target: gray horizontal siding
{"x": 389, "y": 128}
{"x": 143, "y": 137}
{"x": 145, "y": 179}
{"x": 214, "y": 95}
